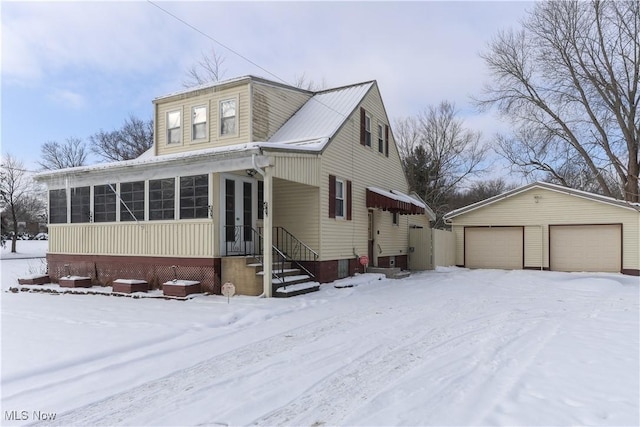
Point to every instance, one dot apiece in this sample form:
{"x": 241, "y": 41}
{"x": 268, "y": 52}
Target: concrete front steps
{"x": 289, "y": 281}
{"x": 390, "y": 273}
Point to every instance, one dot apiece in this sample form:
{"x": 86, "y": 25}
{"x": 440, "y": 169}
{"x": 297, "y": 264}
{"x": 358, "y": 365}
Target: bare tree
{"x": 569, "y": 83}
{"x": 208, "y": 69}
{"x": 18, "y": 195}
{"x": 301, "y": 81}
{"x": 71, "y": 153}
{"x": 438, "y": 154}
{"x": 479, "y": 190}
{"x": 129, "y": 142}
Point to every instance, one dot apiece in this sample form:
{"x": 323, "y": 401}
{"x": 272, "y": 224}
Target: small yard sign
{"x": 228, "y": 290}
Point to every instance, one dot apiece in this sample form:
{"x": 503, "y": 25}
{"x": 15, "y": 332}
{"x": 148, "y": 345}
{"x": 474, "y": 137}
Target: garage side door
{"x": 586, "y": 247}
{"x": 494, "y": 247}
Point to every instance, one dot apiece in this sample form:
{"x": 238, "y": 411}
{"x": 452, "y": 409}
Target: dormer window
{"x": 228, "y": 117}
{"x": 199, "y": 125}
{"x": 173, "y": 127}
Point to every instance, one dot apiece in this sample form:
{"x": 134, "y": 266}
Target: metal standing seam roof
{"x": 309, "y": 129}
{"x": 322, "y": 115}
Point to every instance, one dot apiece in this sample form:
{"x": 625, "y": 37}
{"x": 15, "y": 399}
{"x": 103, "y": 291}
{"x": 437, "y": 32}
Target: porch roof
{"x": 394, "y": 201}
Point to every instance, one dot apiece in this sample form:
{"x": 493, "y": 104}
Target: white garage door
{"x": 586, "y": 247}
{"x": 494, "y": 247}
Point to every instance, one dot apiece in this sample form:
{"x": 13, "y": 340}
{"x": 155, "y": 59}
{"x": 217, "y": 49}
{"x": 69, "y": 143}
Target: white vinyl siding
{"x": 296, "y": 209}
{"x": 272, "y": 107}
{"x": 192, "y": 239}
{"x": 343, "y": 156}
{"x": 211, "y": 99}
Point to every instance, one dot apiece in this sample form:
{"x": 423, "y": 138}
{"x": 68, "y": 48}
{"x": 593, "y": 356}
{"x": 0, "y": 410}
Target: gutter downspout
{"x": 267, "y": 226}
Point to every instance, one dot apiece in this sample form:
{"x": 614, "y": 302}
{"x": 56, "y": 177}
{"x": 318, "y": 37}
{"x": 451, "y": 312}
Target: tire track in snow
{"x": 161, "y": 393}
{"x": 332, "y": 399}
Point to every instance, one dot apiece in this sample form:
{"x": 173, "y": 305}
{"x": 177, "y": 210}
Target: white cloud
{"x": 113, "y": 37}
{"x": 68, "y": 99}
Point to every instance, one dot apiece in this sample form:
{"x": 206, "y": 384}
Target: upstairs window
{"x": 367, "y": 130}
{"x": 173, "y": 127}
{"x": 81, "y": 204}
{"x": 104, "y": 203}
{"x": 228, "y": 117}
{"x": 380, "y": 138}
{"x": 199, "y": 126}
{"x": 194, "y": 197}
{"x": 132, "y": 201}
{"x": 58, "y": 206}
{"x": 162, "y": 199}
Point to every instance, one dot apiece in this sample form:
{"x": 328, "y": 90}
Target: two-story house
{"x": 236, "y": 167}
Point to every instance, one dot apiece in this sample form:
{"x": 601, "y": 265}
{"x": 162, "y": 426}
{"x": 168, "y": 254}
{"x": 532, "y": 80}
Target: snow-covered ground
{"x": 447, "y": 347}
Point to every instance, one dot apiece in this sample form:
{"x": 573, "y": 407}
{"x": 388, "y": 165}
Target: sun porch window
{"x": 194, "y": 197}
{"x": 104, "y": 203}
{"x": 162, "y": 199}
{"x": 58, "y": 206}
{"x": 81, "y": 204}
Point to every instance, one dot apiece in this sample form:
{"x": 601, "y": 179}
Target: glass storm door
{"x": 238, "y": 216}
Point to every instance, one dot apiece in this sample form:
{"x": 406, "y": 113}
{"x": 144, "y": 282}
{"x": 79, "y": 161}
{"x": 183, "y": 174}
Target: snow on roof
{"x": 548, "y": 186}
{"x": 397, "y": 195}
{"x": 322, "y": 115}
{"x": 209, "y": 85}
{"x": 147, "y": 160}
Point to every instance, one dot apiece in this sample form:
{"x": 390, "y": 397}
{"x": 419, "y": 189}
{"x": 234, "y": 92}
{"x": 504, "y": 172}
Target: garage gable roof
{"x": 546, "y": 186}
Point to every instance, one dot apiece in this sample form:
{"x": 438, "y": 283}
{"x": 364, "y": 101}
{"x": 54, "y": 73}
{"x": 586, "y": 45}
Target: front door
{"x": 237, "y": 218}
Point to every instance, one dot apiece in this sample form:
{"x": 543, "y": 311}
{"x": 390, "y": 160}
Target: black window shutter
{"x": 332, "y": 196}
{"x": 386, "y": 140}
{"x": 349, "y": 200}
{"x": 362, "y": 126}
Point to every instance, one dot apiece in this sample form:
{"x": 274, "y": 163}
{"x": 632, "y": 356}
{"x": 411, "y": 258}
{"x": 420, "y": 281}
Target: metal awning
{"x": 394, "y": 201}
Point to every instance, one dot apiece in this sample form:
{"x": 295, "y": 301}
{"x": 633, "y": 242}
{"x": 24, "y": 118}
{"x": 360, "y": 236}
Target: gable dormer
{"x": 237, "y": 111}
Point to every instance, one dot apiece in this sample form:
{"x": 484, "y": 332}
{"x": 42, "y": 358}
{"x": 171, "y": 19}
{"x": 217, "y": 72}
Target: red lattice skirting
{"x": 104, "y": 269}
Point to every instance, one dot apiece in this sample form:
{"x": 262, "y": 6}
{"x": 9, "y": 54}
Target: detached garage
{"x": 546, "y": 226}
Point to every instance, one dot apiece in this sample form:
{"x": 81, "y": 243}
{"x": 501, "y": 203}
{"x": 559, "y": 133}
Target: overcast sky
{"x": 70, "y": 69}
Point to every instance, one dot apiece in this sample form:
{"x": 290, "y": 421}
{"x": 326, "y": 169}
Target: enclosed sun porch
{"x": 203, "y": 216}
